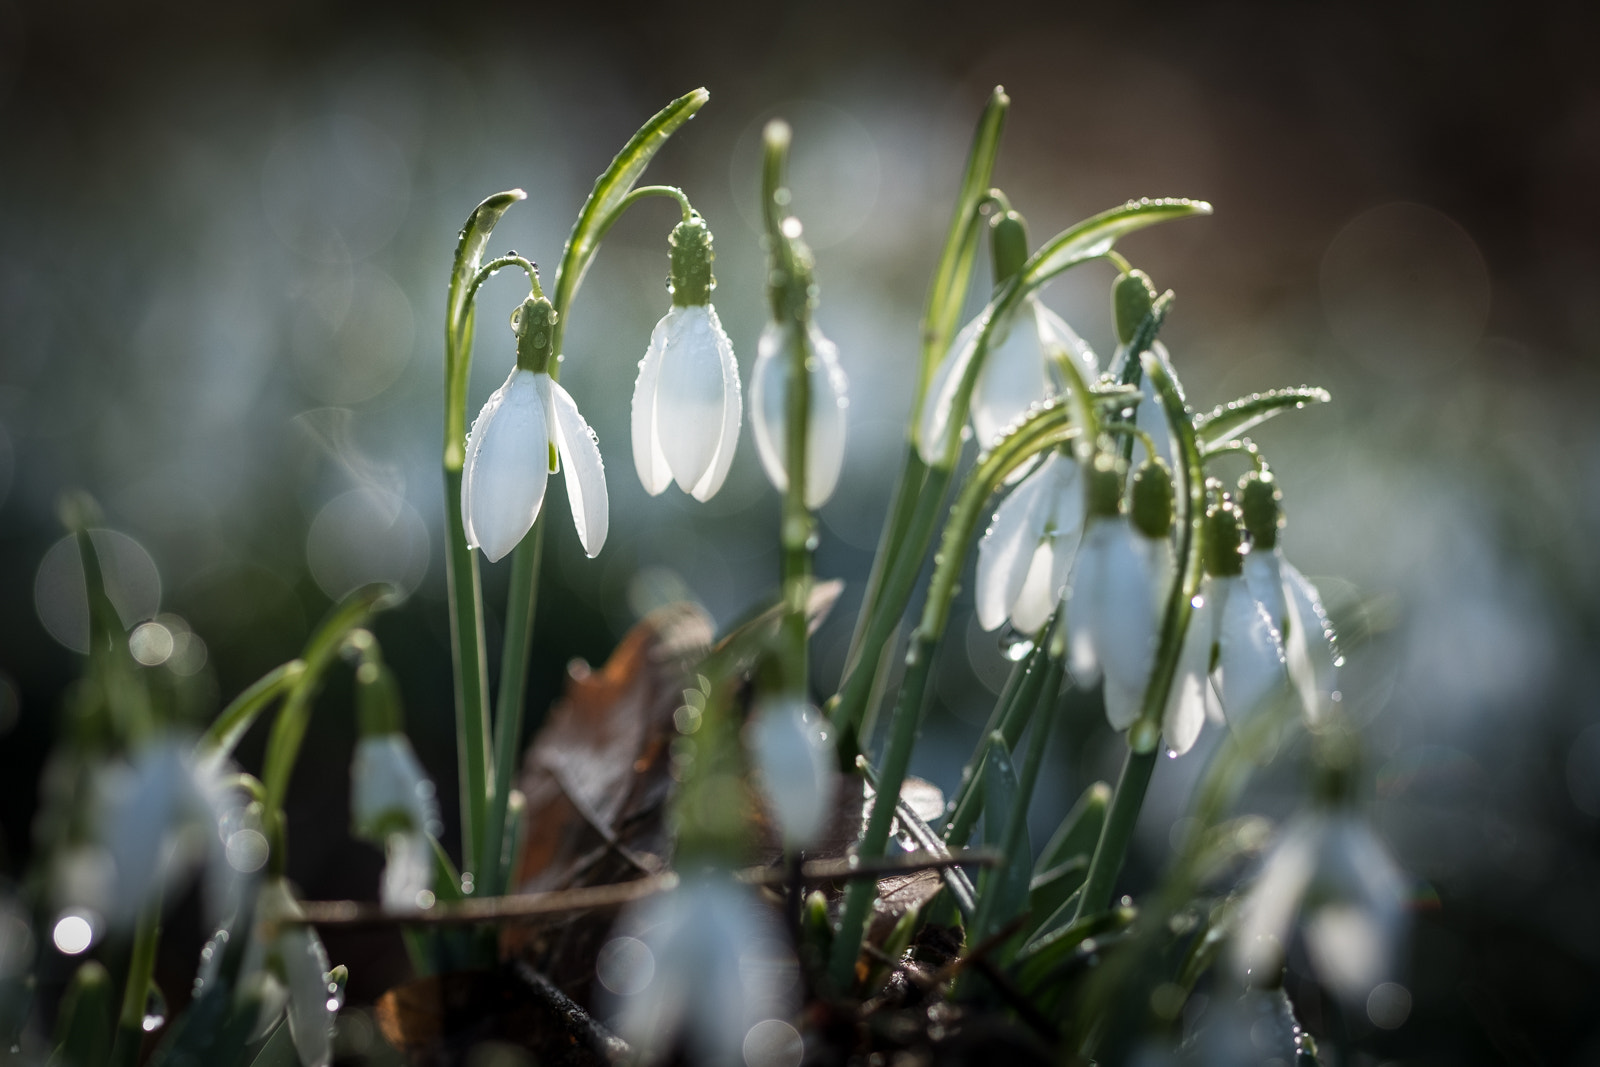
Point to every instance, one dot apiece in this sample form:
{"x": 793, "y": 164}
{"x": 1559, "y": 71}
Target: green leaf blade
{"x": 1227, "y": 421}
{"x": 1095, "y": 236}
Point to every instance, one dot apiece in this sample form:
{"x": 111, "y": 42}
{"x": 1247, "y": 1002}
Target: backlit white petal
{"x": 1185, "y": 713}
{"x": 1152, "y": 417}
{"x": 1122, "y": 704}
{"x": 769, "y": 396}
{"x": 1124, "y": 612}
{"x": 1055, "y": 337}
{"x": 690, "y": 396}
{"x": 1038, "y": 596}
{"x": 1270, "y": 907}
{"x": 732, "y": 413}
{"x": 503, "y": 481}
{"x": 407, "y": 872}
{"x": 935, "y": 426}
{"x": 1309, "y": 647}
{"x": 648, "y": 458}
{"x": 585, "y": 473}
{"x": 1013, "y": 377}
{"x": 1006, "y": 552}
{"x": 1083, "y": 598}
{"x": 797, "y": 766}
{"x": 389, "y": 790}
{"x": 1261, "y": 574}
{"x": 1250, "y": 667}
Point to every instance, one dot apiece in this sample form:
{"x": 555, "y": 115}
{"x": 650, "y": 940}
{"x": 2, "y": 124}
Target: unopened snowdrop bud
{"x": 1224, "y": 542}
{"x": 1008, "y": 243}
{"x": 526, "y": 431}
{"x": 1132, "y": 296}
{"x": 1259, "y": 507}
{"x": 1025, "y": 557}
{"x": 1103, "y": 487}
{"x": 699, "y": 968}
{"x": 1153, "y": 499}
{"x": 795, "y": 759}
{"x": 686, "y": 400}
{"x": 770, "y": 383}
{"x": 1331, "y": 879}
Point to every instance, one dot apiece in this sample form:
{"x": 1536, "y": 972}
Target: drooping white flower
{"x": 703, "y": 964}
{"x": 795, "y": 759}
{"x": 1119, "y": 588}
{"x": 1026, "y": 555}
{"x": 1295, "y": 606}
{"x": 1231, "y": 665}
{"x": 292, "y": 966}
{"x": 1151, "y": 417}
{"x": 1019, "y": 371}
{"x": 393, "y": 803}
{"x": 1331, "y": 873}
{"x": 770, "y": 383}
{"x": 527, "y": 430}
{"x": 686, "y": 404}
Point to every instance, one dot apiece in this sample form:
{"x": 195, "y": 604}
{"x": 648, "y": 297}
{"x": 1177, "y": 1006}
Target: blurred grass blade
{"x": 83, "y": 1024}
{"x": 220, "y": 739}
{"x": 1093, "y": 237}
{"x": 948, "y": 290}
{"x": 1228, "y": 421}
{"x": 1079, "y": 831}
{"x": 609, "y": 189}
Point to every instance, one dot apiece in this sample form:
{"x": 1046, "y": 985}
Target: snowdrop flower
{"x": 1019, "y": 371}
{"x": 796, "y": 762}
{"x": 526, "y": 430}
{"x": 1232, "y": 662}
{"x": 1331, "y": 873}
{"x": 392, "y": 803}
{"x": 1292, "y": 602}
{"x": 770, "y": 383}
{"x": 292, "y": 966}
{"x": 1119, "y": 587}
{"x": 686, "y": 403}
{"x": 1026, "y": 555}
{"x": 704, "y": 964}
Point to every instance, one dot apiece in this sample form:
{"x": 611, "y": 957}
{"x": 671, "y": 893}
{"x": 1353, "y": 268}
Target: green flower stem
{"x": 135, "y": 993}
{"x": 1009, "y": 718}
{"x": 236, "y": 719}
{"x": 1112, "y": 848}
{"x": 471, "y": 673}
{"x": 522, "y": 602}
{"x": 1042, "y": 430}
{"x": 639, "y": 194}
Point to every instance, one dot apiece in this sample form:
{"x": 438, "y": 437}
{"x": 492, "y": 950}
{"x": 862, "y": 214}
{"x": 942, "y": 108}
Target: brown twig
{"x": 532, "y": 906}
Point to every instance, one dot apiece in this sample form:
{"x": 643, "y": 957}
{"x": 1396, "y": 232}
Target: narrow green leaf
{"x": 950, "y": 278}
{"x": 474, "y": 238}
{"x": 609, "y": 189}
{"x": 84, "y": 1021}
{"x": 219, "y": 740}
{"x": 1002, "y": 890}
{"x": 1094, "y": 236}
{"x": 459, "y": 318}
{"x": 1078, "y": 832}
{"x": 1228, "y": 421}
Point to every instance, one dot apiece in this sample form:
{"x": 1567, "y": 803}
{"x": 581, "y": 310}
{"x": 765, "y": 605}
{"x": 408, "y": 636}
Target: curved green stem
{"x": 489, "y": 269}
{"x": 136, "y": 992}
{"x": 235, "y": 720}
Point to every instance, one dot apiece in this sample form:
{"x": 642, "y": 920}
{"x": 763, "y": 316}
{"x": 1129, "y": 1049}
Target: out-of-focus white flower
{"x": 393, "y": 803}
{"x": 526, "y": 431}
{"x": 1295, "y": 606}
{"x": 770, "y": 383}
{"x": 1231, "y": 666}
{"x": 1018, "y": 372}
{"x": 1331, "y": 873}
{"x": 1119, "y": 587}
{"x": 1026, "y": 555}
{"x": 796, "y": 761}
{"x": 290, "y": 962}
{"x": 686, "y": 404}
{"x": 704, "y": 965}
{"x": 1150, "y": 416}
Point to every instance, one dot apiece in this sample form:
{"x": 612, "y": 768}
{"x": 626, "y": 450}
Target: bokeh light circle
{"x": 365, "y": 536}
{"x": 61, "y": 597}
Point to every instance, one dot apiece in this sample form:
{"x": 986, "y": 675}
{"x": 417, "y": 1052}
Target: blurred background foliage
{"x": 225, "y": 232}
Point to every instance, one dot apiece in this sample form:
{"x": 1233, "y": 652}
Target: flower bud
{"x": 1224, "y": 542}
{"x": 1104, "y": 484}
{"x": 1008, "y": 243}
{"x": 1152, "y": 499}
{"x": 1259, "y": 498}
{"x": 1132, "y": 296}
{"x": 689, "y": 248}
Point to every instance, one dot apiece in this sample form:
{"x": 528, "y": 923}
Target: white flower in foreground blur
{"x": 770, "y": 382}
{"x": 526, "y": 431}
{"x": 1119, "y": 588}
{"x": 686, "y": 404}
{"x": 293, "y": 966}
{"x": 797, "y": 767}
{"x": 1331, "y": 873}
{"x": 703, "y": 965}
{"x": 1018, "y": 372}
{"x": 392, "y": 803}
{"x": 1026, "y": 555}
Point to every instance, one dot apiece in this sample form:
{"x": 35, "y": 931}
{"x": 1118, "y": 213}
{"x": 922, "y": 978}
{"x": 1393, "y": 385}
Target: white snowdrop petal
{"x": 1083, "y": 600}
{"x": 305, "y": 965}
{"x": 1261, "y": 575}
{"x": 503, "y": 481}
{"x": 935, "y": 426}
{"x": 585, "y": 473}
{"x": 648, "y": 459}
{"x": 1122, "y": 703}
{"x": 1272, "y": 903}
{"x": 1250, "y": 669}
{"x": 825, "y": 441}
{"x": 767, "y": 399}
{"x": 1309, "y": 644}
{"x": 407, "y": 871}
{"x": 1038, "y": 596}
{"x": 1056, "y": 336}
{"x": 732, "y": 412}
{"x": 1125, "y": 617}
{"x": 690, "y": 396}
{"x": 1013, "y": 378}
{"x": 1185, "y": 713}
{"x": 389, "y": 790}
{"x": 1007, "y": 549}
{"x": 1151, "y": 417}
{"x": 797, "y": 768}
